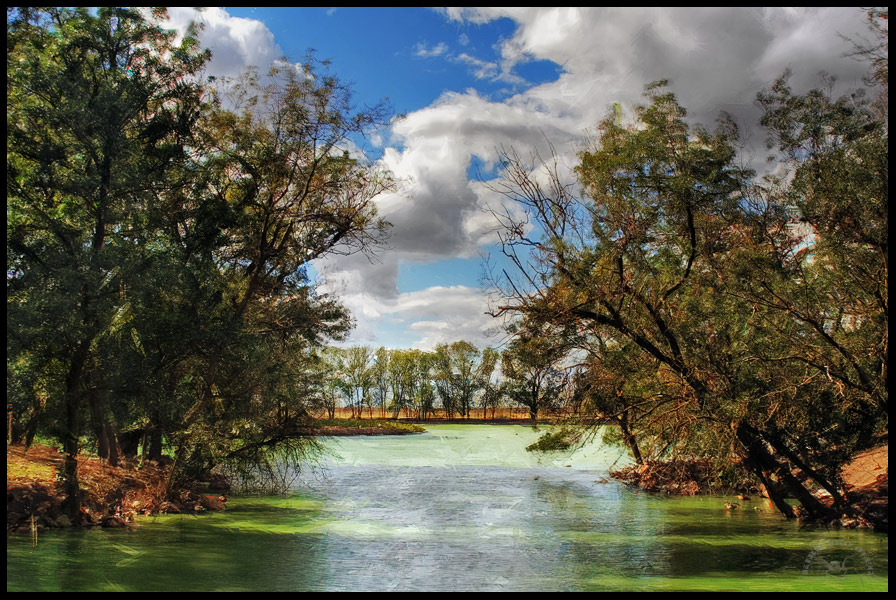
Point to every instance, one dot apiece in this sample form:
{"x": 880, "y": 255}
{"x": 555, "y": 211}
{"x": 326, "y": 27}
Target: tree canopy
{"x": 709, "y": 310}
{"x": 158, "y": 231}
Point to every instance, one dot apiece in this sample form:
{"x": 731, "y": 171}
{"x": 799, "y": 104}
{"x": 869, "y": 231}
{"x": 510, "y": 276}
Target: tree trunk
{"x": 763, "y": 463}
{"x": 72, "y": 502}
{"x": 103, "y": 430}
{"x": 629, "y": 438}
{"x": 781, "y": 447}
{"x": 155, "y": 445}
{"x": 31, "y": 426}
{"x": 74, "y": 383}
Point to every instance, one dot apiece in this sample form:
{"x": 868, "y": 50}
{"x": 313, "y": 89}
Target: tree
{"x": 157, "y": 241}
{"x": 534, "y": 377}
{"x": 642, "y": 268}
{"x": 815, "y": 269}
{"x": 277, "y": 190}
{"x": 492, "y": 391}
{"x": 272, "y": 189}
{"x": 380, "y": 375}
{"x": 458, "y": 383}
{"x": 424, "y": 364}
{"x": 331, "y": 373}
{"x": 358, "y": 376}
{"x": 403, "y": 380}
{"x": 618, "y": 263}
{"x": 100, "y": 110}
{"x": 830, "y": 260}
{"x": 715, "y": 312}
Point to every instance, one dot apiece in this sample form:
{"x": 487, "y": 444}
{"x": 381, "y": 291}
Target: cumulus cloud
{"x": 715, "y": 58}
{"x": 236, "y": 43}
{"x": 436, "y": 315}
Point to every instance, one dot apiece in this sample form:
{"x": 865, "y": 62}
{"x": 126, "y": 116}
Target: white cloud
{"x": 481, "y": 69}
{"x": 423, "y": 51}
{"x": 436, "y": 315}
{"x": 716, "y": 58}
{"x": 236, "y": 43}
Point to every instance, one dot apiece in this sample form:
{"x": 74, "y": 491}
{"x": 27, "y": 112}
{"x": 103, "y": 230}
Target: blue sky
{"x": 387, "y": 52}
{"x": 470, "y": 81}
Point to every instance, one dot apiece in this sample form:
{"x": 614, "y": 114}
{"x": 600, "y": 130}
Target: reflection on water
{"x": 458, "y": 508}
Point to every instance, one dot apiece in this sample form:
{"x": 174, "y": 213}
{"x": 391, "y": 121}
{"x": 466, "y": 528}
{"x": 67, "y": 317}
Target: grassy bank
{"x": 332, "y": 427}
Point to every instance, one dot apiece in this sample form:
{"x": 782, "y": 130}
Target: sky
{"x": 465, "y": 83}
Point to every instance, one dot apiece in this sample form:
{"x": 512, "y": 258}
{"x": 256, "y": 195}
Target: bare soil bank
{"x": 865, "y": 483}
{"x": 111, "y": 496}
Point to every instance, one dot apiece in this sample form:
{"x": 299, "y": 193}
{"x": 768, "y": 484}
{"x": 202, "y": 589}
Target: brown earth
{"x": 865, "y": 481}
{"x": 680, "y": 477}
{"x": 868, "y": 469}
{"x": 111, "y": 496}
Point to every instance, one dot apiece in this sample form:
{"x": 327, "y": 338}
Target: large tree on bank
{"x": 100, "y": 110}
{"x": 158, "y": 238}
{"x": 749, "y": 315}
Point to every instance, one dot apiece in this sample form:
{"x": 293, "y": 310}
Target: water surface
{"x": 459, "y": 508}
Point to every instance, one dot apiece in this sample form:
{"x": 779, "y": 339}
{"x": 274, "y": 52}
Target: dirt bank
{"x": 334, "y": 427}
{"x": 111, "y": 496}
{"x": 681, "y": 477}
{"x": 865, "y": 484}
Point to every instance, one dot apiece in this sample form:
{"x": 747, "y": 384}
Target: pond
{"x": 458, "y": 508}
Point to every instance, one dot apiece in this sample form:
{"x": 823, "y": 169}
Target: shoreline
{"x": 865, "y": 483}
{"x": 113, "y": 496}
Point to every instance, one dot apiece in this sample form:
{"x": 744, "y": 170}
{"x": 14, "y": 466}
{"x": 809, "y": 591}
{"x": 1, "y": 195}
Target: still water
{"x": 458, "y": 508}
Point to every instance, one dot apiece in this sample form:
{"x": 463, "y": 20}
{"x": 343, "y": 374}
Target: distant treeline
{"x": 454, "y": 379}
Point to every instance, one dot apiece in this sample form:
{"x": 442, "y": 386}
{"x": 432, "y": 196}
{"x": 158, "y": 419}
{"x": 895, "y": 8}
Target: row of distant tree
{"x": 454, "y": 379}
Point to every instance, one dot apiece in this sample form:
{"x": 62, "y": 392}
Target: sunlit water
{"x": 459, "y": 508}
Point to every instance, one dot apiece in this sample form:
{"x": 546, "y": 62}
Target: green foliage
{"x": 552, "y": 441}
{"x": 460, "y": 374}
{"x": 370, "y": 424}
{"x": 157, "y": 241}
{"x": 533, "y": 374}
{"x": 455, "y": 375}
{"x": 711, "y": 314}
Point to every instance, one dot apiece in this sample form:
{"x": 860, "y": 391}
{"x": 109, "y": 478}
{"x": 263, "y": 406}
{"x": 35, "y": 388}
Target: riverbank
{"x": 114, "y": 496}
{"x": 865, "y": 484}
{"x": 340, "y": 427}
{"x": 111, "y": 496}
